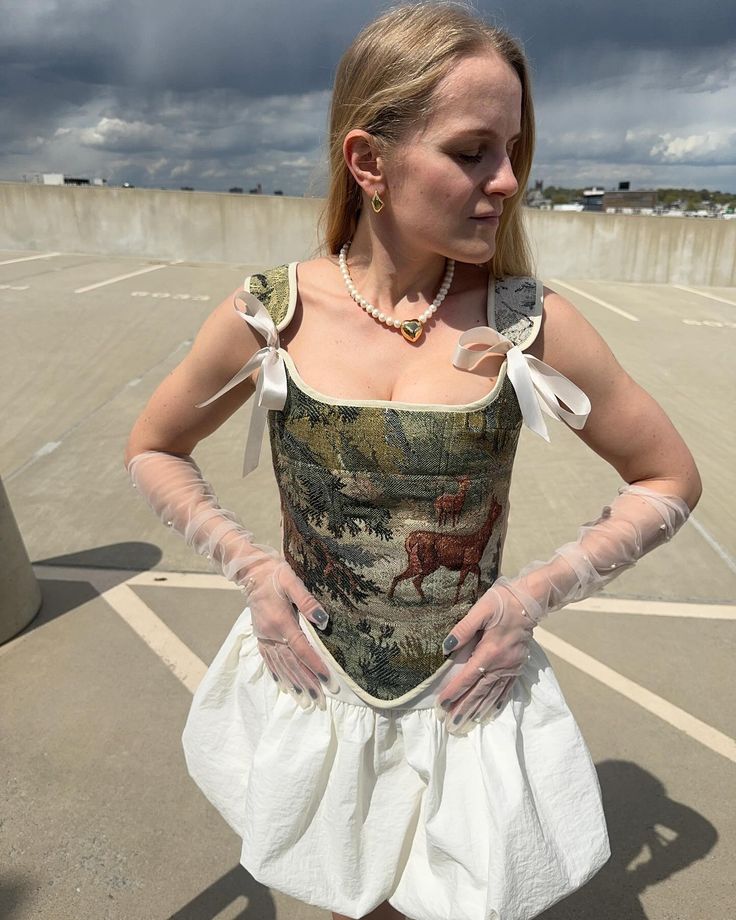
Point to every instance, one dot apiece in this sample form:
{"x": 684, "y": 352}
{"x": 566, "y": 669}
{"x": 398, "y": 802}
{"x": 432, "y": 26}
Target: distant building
{"x": 593, "y": 199}
{"x": 61, "y": 179}
{"x": 626, "y": 201}
{"x": 630, "y": 200}
{"x": 535, "y": 197}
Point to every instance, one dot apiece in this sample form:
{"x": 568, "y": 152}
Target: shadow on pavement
{"x": 60, "y": 596}
{"x": 15, "y": 891}
{"x": 132, "y": 554}
{"x": 235, "y": 884}
{"x": 652, "y": 837}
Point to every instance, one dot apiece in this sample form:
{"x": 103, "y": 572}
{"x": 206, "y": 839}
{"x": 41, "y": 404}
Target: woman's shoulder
{"x": 277, "y": 289}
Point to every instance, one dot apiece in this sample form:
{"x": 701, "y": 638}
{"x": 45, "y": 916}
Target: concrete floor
{"x": 99, "y": 818}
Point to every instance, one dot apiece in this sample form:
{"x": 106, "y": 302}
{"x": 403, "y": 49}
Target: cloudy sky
{"x": 218, "y": 93}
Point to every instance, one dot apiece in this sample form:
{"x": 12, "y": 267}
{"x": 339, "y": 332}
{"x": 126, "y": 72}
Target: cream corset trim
{"x": 537, "y": 385}
{"x": 539, "y": 388}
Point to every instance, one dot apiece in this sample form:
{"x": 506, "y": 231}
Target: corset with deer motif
{"x": 394, "y": 514}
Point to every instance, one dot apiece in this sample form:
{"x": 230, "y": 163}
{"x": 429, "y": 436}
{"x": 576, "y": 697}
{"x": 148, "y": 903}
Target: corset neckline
{"x": 325, "y": 399}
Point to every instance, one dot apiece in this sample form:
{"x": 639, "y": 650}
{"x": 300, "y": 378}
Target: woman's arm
{"x": 630, "y": 430}
{"x": 626, "y": 426}
{"x": 158, "y": 462}
{"x": 170, "y": 420}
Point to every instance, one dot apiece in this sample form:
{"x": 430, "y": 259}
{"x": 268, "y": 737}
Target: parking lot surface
{"x": 99, "y": 818}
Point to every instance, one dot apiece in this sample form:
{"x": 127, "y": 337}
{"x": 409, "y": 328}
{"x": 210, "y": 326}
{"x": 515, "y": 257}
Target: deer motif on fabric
{"x": 428, "y": 550}
{"x": 450, "y": 506}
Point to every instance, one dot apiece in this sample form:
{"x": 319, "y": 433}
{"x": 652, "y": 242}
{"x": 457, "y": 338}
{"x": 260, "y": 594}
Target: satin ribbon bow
{"x": 537, "y": 385}
{"x": 271, "y": 386}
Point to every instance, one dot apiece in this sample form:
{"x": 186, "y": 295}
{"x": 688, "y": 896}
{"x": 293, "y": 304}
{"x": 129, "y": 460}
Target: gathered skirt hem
{"x": 353, "y": 805}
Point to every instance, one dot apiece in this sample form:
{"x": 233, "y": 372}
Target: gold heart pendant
{"x": 411, "y": 329}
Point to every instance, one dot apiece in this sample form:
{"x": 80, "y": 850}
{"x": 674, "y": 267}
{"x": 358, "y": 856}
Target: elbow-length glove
{"x": 176, "y": 490}
{"x": 636, "y": 522}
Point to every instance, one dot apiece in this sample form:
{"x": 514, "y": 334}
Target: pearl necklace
{"x": 411, "y": 329}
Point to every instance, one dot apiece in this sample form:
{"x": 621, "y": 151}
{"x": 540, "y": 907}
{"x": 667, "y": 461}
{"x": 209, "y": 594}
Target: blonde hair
{"x": 385, "y": 83}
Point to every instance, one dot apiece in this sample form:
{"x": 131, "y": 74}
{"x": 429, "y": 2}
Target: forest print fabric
{"x": 395, "y": 518}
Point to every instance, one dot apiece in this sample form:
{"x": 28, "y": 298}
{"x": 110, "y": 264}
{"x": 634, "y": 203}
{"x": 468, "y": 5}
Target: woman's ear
{"x": 364, "y": 161}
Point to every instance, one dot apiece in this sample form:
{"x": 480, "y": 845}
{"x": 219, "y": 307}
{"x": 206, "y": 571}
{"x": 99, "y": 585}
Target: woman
{"x": 399, "y": 368}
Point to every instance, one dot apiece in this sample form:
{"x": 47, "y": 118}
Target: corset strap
{"x": 271, "y": 385}
{"x": 539, "y": 387}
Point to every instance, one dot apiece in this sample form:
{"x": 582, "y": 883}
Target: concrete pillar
{"x": 20, "y": 594}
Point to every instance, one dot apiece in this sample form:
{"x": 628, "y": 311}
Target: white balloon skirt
{"x": 358, "y": 804}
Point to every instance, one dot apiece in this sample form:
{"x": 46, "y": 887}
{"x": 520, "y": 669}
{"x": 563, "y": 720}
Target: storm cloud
{"x": 234, "y": 93}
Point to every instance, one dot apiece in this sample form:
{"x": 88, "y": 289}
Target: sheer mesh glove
{"x": 636, "y": 522}
{"x": 175, "y": 489}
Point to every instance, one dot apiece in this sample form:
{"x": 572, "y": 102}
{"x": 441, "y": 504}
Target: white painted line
{"x": 696, "y": 729}
{"x": 141, "y": 271}
{"x": 14, "y": 287}
{"x": 190, "y": 669}
{"x": 714, "y": 544}
{"x": 48, "y": 448}
{"x": 45, "y": 255}
{"x": 603, "y": 604}
{"x": 713, "y": 323}
{"x": 682, "y": 287}
{"x": 609, "y": 306}
{"x": 157, "y": 578}
{"x": 178, "y": 657}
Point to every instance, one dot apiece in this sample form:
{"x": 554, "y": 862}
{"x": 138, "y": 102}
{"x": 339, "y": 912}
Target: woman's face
{"x": 448, "y": 179}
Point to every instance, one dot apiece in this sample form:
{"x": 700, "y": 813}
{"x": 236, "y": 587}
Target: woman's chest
{"x": 346, "y": 354}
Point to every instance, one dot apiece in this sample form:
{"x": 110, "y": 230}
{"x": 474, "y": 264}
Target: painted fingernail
{"x": 313, "y": 693}
{"x": 324, "y": 678}
{"x": 275, "y": 676}
{"x": 457, "y": 719}
{"x": 499, "y": 704}
{"x": 298, "y": 689}
{"x": 320, "y": 616}
{"x": 445, "y": 704}
{"x": 449, "y": 644}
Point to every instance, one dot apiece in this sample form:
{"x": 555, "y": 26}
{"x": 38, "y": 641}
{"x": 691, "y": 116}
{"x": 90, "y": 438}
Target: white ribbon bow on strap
{"x": 271, "y": 386}
{"x": 537, "y": 385}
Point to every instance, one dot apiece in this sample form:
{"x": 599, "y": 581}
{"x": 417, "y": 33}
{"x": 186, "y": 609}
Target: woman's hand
{"x": 274, "y": 592}
{"x": 502, "y": 650}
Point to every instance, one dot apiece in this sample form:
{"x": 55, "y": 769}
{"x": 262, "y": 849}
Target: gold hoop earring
{"x": 377, "y": 203}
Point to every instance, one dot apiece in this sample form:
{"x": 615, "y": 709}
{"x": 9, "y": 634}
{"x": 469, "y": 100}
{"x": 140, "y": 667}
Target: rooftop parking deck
{"x": 99, "y": 819}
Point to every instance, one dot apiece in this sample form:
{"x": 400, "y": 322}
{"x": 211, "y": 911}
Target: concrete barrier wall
{"x": 200, "y": 226}
{"x": 266, "y": 230}
{"x": 629, "y": 247}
